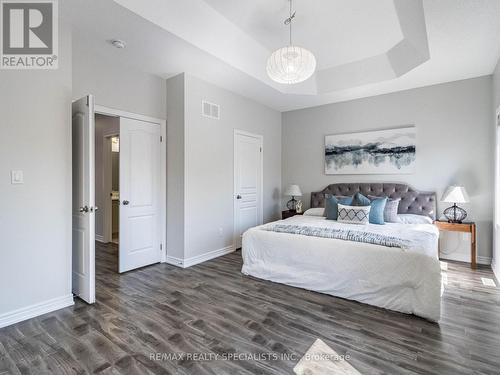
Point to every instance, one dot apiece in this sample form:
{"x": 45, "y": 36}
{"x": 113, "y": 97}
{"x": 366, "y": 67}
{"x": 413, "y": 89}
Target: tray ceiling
{"x": 365, "y": 47}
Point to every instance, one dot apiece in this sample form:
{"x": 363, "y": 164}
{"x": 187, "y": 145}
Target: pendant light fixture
{"x": 291, "y": 64}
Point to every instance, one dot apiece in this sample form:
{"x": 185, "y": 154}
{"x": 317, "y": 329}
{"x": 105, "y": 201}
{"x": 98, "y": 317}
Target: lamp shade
{"x": 291, "y": 65}
{"x": 293, "y": 191}
{"x": 455, "y": 194}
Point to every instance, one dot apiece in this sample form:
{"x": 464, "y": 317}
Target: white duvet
{"x": 405, "y": 280}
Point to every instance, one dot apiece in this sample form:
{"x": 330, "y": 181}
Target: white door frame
{"x": 163, "y": 165}
{"x": 235, "y": 193}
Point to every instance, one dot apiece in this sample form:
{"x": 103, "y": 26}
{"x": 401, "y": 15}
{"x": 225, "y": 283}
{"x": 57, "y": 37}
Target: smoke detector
{"x": 117, "y": 43}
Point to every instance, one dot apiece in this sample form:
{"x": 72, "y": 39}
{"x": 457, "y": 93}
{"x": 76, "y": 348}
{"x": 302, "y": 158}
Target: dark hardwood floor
{"x": 213, "y": 309}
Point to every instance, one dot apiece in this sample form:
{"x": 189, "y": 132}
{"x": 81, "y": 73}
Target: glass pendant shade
{"x": 291, "y": 65}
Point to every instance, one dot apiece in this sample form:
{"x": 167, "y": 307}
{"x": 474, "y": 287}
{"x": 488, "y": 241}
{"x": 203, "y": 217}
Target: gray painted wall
{"x": 175, "y": 167}
{"x": 35, "y": 137}
{"x": 454, "y": 143}
{"x": 114, "y": 85}
{"x": 200, "y": 174}
{"x": 209, "y": 163}
{"x": 496, "y": 86}
{"x": 496, "y": 103}
{"x": 35, "y": 218}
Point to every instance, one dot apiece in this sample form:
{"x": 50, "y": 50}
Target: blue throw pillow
{"x": 377, "y": 207}
{"x": 360, "y": 200}
{"x": 332, "y": 205}
{"x": 377, "y": 211}
{"x": 391, "y": 209}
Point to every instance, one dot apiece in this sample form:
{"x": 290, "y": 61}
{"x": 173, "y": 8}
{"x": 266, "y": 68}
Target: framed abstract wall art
{"x": 376, "y": 152}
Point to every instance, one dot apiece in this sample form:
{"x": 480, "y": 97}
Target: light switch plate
{"x": 17, "y": 177}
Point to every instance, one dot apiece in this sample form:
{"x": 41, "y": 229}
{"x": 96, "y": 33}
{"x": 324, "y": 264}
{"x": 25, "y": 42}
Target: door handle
{"x": 238, "y": 196}
{"x": 125, "y": 203}
{"x": 94, "y": 209}
{"x": 84, "y": 209}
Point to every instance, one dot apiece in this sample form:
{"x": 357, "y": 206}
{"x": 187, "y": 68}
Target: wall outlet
{"x": 17, "y": 177}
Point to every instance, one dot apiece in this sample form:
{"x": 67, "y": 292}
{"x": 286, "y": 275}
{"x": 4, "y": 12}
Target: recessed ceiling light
{"x": 118, "y": 43}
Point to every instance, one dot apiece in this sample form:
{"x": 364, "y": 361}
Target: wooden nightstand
{"x": 462, "y": 227}
{"x": 286, "y": 214}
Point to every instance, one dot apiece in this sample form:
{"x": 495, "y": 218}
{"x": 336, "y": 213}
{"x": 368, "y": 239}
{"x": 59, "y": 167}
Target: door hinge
{"x": 261, "y": 149}
{"x": 161, "y": 138}
{"x": 161, "y": 246}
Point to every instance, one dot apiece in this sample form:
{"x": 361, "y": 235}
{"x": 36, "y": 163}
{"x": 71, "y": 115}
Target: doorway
{"x": 128, "y": 189}
{"x": 119, "y": 191}
{"x": 107, "y": 194}
{"x": 248, "y": 183}
{"x": 113, "y": 151}
{"x": 107, "y": 174}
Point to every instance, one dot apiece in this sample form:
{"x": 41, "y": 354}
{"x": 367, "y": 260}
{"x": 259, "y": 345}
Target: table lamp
{"x": 455, "y": 194}
{"x": 292, "y": 191}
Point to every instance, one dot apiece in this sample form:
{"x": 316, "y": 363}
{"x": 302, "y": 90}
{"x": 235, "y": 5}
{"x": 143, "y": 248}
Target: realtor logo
{"x": 28, "y": 38}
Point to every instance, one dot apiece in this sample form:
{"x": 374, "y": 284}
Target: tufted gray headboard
{"x": 412, "y": 201}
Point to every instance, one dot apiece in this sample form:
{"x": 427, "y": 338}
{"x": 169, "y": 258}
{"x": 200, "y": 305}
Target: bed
{"x": 405, "y": 279}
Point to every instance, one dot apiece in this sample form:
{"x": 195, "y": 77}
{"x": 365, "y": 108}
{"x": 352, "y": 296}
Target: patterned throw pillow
{"x": 391, "y": 209}
{"x": 354, "y": 214}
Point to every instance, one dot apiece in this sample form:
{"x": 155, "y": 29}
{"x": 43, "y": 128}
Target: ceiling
{"x": 318, "y": 25}
{"x": 363, "y": 47}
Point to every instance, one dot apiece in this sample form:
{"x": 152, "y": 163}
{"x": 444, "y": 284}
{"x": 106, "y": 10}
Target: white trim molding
{"x": 99, "y": 238}
{"x": 236, "y": 133}
{"x": 35, "y": 310}
{"x": 185, "y": 263}
{"x": 108, "y": 111}
{"x": 496, "y": 271}
{"x": 103, "y": 110}
{"x": 483, "y": 260}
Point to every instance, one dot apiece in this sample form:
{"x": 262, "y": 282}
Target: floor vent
{"x": 488, "y": 282}
{"x": 210, "y": 110}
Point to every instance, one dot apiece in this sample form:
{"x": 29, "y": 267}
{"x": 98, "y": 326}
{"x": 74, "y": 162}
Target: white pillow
{"x": 354, "y": 214}
{"x": 414, "y": 219}
{"x": 320, "y": 211}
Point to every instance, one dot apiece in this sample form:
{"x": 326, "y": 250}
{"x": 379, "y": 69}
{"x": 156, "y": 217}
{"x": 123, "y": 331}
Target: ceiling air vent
{"x": 210, "y": 110}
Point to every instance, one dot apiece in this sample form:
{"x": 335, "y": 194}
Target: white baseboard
{"x": 466, "y": 259}
{"x": 175, "y": 261}
{"x": 99, "y": 238}
{"x": 496, "y": 271}
{"x": 184, "y": 263}
{"x": 32, "y": 311}
{"x": 484, "y": 260}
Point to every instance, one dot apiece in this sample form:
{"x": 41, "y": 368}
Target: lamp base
{"x": 291, "y": 204}
{"x": 455, "y": 214}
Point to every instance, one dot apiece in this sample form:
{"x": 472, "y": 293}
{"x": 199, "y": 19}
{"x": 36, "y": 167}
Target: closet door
{"x": 248, "y": 179}
{"x": 139, "y": 194}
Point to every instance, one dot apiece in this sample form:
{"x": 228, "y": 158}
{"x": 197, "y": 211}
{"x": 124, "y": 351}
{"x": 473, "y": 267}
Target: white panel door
{"x": 139, "y": 194}
{"x": 247, "y": 183}
{"x": 83, "y": 128}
